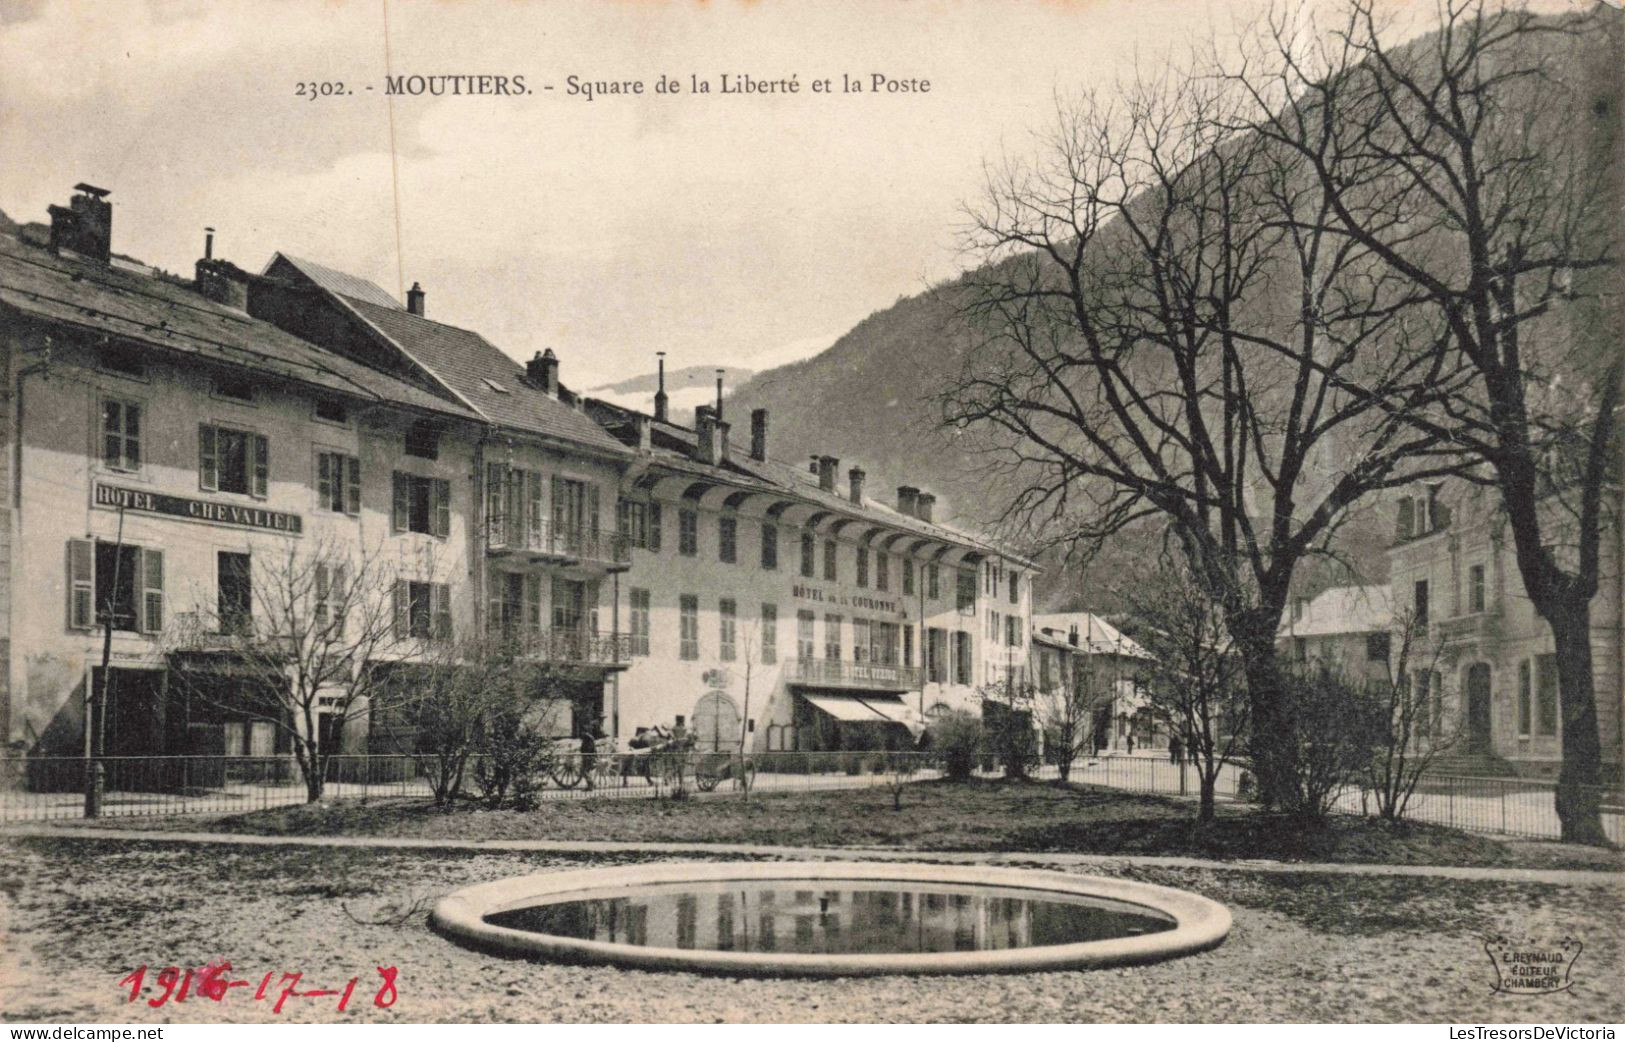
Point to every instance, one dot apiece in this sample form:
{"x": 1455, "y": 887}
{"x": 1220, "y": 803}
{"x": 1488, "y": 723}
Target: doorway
{"x": 1479, "y": 740}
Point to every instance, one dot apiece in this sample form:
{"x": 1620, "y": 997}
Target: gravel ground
{"x": 77, "y": 916}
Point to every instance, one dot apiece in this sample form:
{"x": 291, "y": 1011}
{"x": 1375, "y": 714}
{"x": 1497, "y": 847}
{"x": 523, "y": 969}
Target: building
{"x": 1453, "y": 571}
{"x": 1345, "y": 629}
{"x": 164, "y": 452}
{"x": 166, "y": 439}
{"x": 1082, "y": 653}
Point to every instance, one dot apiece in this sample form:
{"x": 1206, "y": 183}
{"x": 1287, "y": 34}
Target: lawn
{"x": 977, "y": 816}
{"x": 79, "y": 915}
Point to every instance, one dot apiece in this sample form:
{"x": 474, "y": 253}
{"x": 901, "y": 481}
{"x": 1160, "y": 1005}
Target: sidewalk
{"x": 1558, "y": 877}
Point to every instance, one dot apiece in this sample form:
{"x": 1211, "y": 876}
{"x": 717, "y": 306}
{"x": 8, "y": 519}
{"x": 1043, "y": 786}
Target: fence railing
{"x": 45, "y": 788}
{"x": 843, "y": 674}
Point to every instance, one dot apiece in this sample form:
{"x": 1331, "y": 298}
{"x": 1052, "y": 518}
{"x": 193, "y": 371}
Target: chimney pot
{"x": 719, "y": 394}
{"x": 924, "y": 505}
{"x": 660, "y": 390}
{"x": 908, "y": 500}
{"x": 707, "y": 435}
{"x": 208, "y": 244}
{"x": 855, "y": 479}
{"x": 828, "y": 467}
{"x": 414, "y": 299}
{"x": 543, "y": 371}
{"x": 85, "y": 225}
{"x": 758, "y": 435}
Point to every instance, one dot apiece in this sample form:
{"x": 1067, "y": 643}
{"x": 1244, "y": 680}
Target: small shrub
{"x": 957, "y": 738}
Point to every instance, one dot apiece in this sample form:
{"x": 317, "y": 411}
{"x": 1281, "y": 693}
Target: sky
{"x": 737, "y": 230}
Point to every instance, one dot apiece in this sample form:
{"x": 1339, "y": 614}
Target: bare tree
{"x": 316, "y": 621}
{"x": 1412, "y": 729}
{"x": 1195, "y": 680}
{"x": 1480, "y": 166}
{"x": 1167, "y": 338}
{"x": 1066, "y": 711}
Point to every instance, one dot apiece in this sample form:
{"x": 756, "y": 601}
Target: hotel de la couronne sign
{"x": 114, "y": 497}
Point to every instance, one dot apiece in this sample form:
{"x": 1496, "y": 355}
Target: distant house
{"x": 1083, "y": 652}
{"x": 1346, "y": 628}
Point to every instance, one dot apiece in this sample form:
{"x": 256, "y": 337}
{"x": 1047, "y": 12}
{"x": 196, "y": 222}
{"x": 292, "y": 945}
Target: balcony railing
{"x": 1468, "y": 629}
{"x": 190, "y": 631}
{"x": 568, "y": 646}
{"x": 872, "y": 676}
{"x": 543, "y": 540}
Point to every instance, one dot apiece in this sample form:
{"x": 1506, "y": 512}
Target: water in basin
{"x": 845, "y": 917}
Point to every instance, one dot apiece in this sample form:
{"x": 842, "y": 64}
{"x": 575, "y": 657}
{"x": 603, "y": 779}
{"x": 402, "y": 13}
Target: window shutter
{"x": 208, "y": 461}
{"x": 533, "y": 603}
{"x": 1402, "y": 524}
{"x": 152, "y": 591}
{"x": 592, "y": 510}
{"x": 560, "y": 522}
{"x": 442, "y": 507}
{"x": 493, "y": 605}
{"x": 592, "y": 611}
{"x": 352, "y": 485}
{"x": 440, "y": 607}
{"x": 654, "y": 527}
{"x": 262, "y": 465}
{"x": 81, "y": 584}
{"x": 402, "y": 495}
{"x": 403, "y": 601}
{"x": 338, "y": 586}
{"x": 322, "y": 586}
{"x": 535, "y": 513}
{"x": 324, "y": 480}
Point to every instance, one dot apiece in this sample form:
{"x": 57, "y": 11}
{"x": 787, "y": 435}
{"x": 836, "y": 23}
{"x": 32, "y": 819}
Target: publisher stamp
{"x": 1532, "y": 966}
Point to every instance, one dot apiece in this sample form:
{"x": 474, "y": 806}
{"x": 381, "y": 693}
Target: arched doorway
{"x": 716, "y": 723}
{"x": 1477, "y": 724}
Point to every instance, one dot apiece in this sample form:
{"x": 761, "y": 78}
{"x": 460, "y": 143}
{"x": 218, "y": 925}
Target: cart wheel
{"x": 566, "y": 775}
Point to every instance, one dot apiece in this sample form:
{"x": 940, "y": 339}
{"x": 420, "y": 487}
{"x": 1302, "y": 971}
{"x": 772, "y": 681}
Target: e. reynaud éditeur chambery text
{"x": 592, "y": 88}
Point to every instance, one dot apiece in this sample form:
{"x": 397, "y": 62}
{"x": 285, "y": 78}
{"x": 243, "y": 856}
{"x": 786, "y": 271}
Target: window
{"x": 728, "y": 540}
{"x": 574, "y": 606}
{"x": 882, "y": 571}
{"x": 118, "y": 582}
{"x": 862, "y": 555}
{"x": 640, "y": 621}
{"x": 423, "y": 440}
{"x": 832, "y": 637}
{"x": 688, "y": 626}
{"x": 338, "y": 483}
{"x": 1012, "y": 630}
{"x": 807, "y": 554}
{"x": 1475, "y": 588}
{"x": 1044, "y": 670}
{"x": 1526, "y": 700}
{"x": 121, "y": 360}
{"x": 883, "y": 637}
{"x": 770, "y": 633}
{"x": 770, "y": 547}
{"x": 936, "y": 655}
{"x": 233, "y": 461}
{"x": 805, "y": 642}
{"x": 861, "y": 642}
{"x": 1015, "y": 588}
{"x": 908, "y": 577}
{"x": 1376, "y": 647}
{"x": 575, "y": 511}
{"x": 235, "y": 600}
{"x": 688, "y": 532}
{"x": 1420, "y": 601}
{"x": 990, "y": 626}
{"x": 639, "y": 523}
{"x": 332, "y": 581}
{"x": 422, "y": 610}
{"x": 332, "y": 410}
{"x": 933, "y": 582}
{"x": 962, "y": 650}
{"x": 830, "y": 569}
{"x": 422, "y": 505}
{"x": 728, "y": 616}
{"x": 121, "y": 435}
{"x": 908, "y": 645}
{"x": 1546, "y": 695}
{"x": 966, "y": 591}
{"x": 238, "y": 390}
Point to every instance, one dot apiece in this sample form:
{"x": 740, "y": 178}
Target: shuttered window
{"x": 81, "y": 584}
{"x": 338, "y": 483}
{"x": 420, "y": 505}
{"x": 152, "y": 591}
{"x": 233, "y": 461}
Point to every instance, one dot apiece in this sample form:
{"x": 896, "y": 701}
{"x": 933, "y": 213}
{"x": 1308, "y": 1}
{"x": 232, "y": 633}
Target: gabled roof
{"x": 465, "y": 363}
{"x": 1343, "y": 609}
{"x": 1096, "y": 636}
{"x": 167, "y": 313}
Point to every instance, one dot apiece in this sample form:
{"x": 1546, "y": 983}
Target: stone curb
{"x": 1556, "y": 876}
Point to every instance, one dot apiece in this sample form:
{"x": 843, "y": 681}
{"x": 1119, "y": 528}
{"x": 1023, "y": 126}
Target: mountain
{"x": 685, "y": 388}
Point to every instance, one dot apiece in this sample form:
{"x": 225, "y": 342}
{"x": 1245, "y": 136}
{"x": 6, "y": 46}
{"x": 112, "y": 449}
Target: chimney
{"x": 828, "y": 467}
{"x": 414, "y": 299}
{"x": 908, "y": 500}
{"x": 208, "y": 244}
{"x": 812, "y": 463}
{"x": 543, "y": 371}
{"x": 855, "y": 479}
{"x": 85, "y": 225}
{"x": 719, "y": 394}
{"x": 923, "y": 506}
{"x": 642, "y": 424}
{"x": 758, "y": 435}
{"x": 660, "y": 393}
{"x": 1072, "y": 635}
{"x": 705, "y": 429}
{"x": 222, "y": 282}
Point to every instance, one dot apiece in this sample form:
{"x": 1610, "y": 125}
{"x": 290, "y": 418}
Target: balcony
{"x": 543, "y": 542}
{"x": 861, "y": 676}
{"x": 575, "y": 647}
{"x": 1461, "y": 630}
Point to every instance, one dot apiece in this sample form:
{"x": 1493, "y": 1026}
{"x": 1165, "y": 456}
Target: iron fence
{"x": 46, "y": 788}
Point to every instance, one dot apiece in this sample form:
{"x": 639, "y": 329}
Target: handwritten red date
{"x": 213, "y": 982}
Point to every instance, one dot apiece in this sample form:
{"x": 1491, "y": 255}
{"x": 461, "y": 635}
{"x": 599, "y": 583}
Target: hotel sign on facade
{"x": 114, "y": 497}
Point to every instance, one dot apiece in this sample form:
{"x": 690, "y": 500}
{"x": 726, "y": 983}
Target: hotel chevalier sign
{"x": 114, "y": 497}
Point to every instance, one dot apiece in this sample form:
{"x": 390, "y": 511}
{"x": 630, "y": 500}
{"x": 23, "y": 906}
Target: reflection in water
{"x": 856, "y": 917}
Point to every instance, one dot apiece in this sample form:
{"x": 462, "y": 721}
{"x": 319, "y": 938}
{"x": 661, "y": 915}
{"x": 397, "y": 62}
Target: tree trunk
{"x": 1205, "y": 810}
{"x": 1579, "y": 794}
{"x": 1273, "y": 741}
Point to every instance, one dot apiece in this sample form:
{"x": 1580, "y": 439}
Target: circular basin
{"x": 831, "y": 918}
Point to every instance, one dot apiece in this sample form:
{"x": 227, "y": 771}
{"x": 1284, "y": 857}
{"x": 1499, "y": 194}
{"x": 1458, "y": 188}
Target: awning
{"x": 871, "y": 709}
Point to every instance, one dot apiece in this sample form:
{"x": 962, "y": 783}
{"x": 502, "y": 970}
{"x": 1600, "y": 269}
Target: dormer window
{"x": 1421, "y": 514}
{"x": 493, "y": 385}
